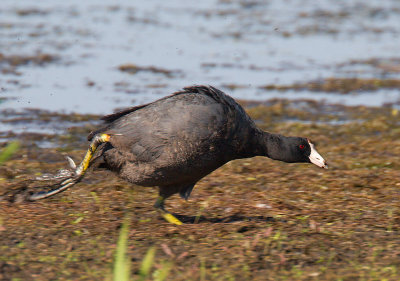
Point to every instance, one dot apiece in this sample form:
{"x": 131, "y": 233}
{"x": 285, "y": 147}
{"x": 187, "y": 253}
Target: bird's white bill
{"x": 317, "y": 159}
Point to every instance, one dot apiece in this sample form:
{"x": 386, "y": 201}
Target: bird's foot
{"x": 159, "y": 205}
{"x": 62, "y": 173}
{"x": 171, "y": 218}
{"x": 67, "y": 178}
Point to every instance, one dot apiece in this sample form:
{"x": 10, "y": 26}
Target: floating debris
{"x": 133, "y": 69}
{"x": 339, "y": 85}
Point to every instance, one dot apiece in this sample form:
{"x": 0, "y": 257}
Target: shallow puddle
{"x": 69, "y": 56}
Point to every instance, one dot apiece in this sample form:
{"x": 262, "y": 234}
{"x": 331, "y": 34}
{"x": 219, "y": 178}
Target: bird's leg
{"x": 97, "y": 140}
{"x": 159, "y": 205}
{"x": 74, "y": 176}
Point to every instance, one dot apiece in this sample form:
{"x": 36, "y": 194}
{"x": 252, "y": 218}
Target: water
{"x": 245, "y": 43}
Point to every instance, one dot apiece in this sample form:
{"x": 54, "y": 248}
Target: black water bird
{"x": 175, "y": 141}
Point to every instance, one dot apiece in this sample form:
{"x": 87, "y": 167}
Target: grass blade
{"x": 162, "y": 273}
{"x": 8, "y": 151}
{"x": 122, "y": 264}
{"x": 202, "y": 270}
{"x": 147, "y": 263}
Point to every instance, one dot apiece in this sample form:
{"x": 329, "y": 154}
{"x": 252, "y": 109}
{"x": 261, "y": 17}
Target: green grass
{"x": 122, "y": 264}
{"x": 9, "y": 151}
{"x": 147, "y": 264}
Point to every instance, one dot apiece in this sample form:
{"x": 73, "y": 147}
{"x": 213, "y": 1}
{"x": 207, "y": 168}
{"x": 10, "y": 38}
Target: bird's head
{"x": 303, "y": 150}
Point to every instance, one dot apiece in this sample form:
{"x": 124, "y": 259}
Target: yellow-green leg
{"x": 97, "y": 140}
{"x": 159, "y": 205}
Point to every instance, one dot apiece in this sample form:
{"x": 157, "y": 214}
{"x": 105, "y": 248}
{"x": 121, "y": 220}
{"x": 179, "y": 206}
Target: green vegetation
{"x": 147, "y": 263}
{"x": 122, "y": 263}
{"x": 8, "y": 151}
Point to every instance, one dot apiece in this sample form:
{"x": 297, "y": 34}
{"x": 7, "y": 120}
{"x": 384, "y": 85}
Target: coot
{"x": 175, "y": 141}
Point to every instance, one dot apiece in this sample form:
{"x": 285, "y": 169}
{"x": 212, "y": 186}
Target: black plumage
{"x": 175, "y": 141}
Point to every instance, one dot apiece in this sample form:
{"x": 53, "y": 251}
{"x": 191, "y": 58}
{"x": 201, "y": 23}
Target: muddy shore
{"x": 252, "y": 219}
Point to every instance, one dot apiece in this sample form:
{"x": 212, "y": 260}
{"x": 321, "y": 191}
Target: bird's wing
{"x": 175, "y": 130}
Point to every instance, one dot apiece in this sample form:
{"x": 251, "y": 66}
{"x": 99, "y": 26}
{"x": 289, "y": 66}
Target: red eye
{"x": 301, "y": 146}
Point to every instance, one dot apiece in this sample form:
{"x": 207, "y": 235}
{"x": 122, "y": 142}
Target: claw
{"x": 71, "y": 162}
{"x": 45, "y": 177}
{"x": 61, "y": 175}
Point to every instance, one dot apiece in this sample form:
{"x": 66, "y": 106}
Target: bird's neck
{"x": 271, "y": 145}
